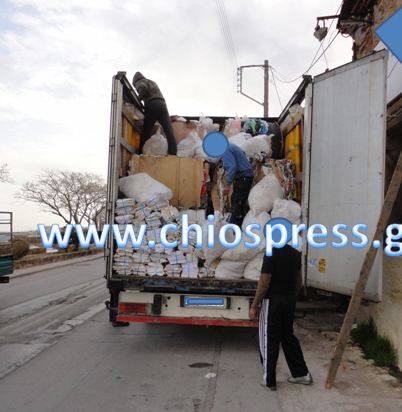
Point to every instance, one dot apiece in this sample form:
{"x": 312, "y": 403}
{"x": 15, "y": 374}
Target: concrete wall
{"x": 364, "y": 38}
{"x": 387, "y": 315}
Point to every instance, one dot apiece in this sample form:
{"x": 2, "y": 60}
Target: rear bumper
{"x": 187, "y": 321}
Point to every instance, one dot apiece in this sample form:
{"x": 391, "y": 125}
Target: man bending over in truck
{"x": 155, "y": 110}
{"x": 277, "y": 290}
{"x": 239, "y": 172}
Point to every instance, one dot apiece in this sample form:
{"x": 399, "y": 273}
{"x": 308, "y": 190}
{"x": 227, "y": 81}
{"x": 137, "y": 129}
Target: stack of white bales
{"x": 147, "y": 203}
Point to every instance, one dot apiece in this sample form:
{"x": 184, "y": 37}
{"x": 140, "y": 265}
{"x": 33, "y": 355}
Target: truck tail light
{"x": 133, "y": 308}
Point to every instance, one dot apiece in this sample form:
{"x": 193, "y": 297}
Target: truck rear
{"x": 181, "y": 299}
{"x": 336, "y": 140}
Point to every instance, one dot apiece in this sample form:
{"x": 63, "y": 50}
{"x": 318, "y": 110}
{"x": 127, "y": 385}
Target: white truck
{"x": 342, "y": 182}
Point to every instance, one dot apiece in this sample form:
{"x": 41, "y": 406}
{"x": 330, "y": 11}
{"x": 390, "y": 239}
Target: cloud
{"x": 57, "y": 60}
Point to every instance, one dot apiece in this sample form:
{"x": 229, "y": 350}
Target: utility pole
{"x": 265, "y": 67}
{"x": 266, "y": 85}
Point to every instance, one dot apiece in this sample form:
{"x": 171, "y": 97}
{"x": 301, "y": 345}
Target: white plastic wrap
{"x": 257, "y": 145}
{"x": 240, "y": 139}
{"x": 143, "y": 188}
{"x": 241, "y": 252}
{"x": 264, "y": 193}
{"x": 288, "y": 209}
{"x": 252, "y": 270}
{"x": 156, "y": 145}
{"x": 230, "y": 269}
{"x": 190, "y": 146}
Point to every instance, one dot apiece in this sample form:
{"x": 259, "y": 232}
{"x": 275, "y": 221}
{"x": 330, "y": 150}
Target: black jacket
{"x": 147, "y": 89}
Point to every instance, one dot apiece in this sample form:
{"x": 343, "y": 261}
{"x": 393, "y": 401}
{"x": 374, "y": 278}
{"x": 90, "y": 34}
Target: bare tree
{"x": 73, "y": 196}
{"x": 4, "y": 173}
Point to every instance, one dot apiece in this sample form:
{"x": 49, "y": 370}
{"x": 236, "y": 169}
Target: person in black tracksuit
{"x": 277, "y": 291}
{"x": 155, "y": 110}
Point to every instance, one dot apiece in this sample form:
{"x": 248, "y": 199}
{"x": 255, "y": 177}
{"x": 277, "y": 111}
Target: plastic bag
{"x": 288, "y": 209}
{"x": 156, "y": 145}
{"x": 230, "y": 269}
{"x": 257, "y": 145}
{"x": 252, "y": 271}
{"x": 264, "y": 193}
{"x": 240, "y": 139}
{"x": 144, "y": 189}
{"x": 190, "y": 146}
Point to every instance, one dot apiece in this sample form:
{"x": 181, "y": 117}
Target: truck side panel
{"x": 346, "y": 179}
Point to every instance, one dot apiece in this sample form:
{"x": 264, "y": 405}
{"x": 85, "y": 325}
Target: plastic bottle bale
{"x": 252, "y": 270}
{"x": 288, "y": 209}
{"x": 264, "y": 193}
{"x": 230, "y": 269}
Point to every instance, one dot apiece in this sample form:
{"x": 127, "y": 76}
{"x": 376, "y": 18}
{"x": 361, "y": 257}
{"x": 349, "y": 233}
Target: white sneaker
{"x": 302, "y": 380}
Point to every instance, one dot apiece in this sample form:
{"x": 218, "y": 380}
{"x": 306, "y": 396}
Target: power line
{"x": 313, "y": 62}
{"x": 225, "y": 29}
{"x": 228, "y": 29}
{"x": 225, "y": 41}
{"x": 393, "y": 67}
{"x": 276, "y": 89}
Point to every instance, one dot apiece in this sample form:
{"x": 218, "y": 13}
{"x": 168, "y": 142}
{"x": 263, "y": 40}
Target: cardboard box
{"x": 183, "y": 175}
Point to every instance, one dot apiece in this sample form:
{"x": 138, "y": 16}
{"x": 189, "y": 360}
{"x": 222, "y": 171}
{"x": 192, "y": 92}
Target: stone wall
{"x": 387, "y": 314}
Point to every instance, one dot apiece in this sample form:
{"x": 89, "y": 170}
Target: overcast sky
{"x": 57, "y": 59}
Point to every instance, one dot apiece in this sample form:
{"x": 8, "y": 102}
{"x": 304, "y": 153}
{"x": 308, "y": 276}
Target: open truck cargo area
{"x": 336, "y": 141}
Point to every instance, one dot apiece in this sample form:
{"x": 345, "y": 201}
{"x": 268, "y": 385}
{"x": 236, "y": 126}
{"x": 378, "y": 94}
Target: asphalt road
{"x": 58, "y": 352}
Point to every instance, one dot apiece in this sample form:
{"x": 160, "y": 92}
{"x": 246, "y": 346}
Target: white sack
{"x": 260, "y": 219}
{"x": 288, "y": 209}
{"x": 264, "y": 193}
{"x": 257, "y": 145}
{"x": 230, "y": 269}
{"x": 143, "y": 188}
{"x": 190, "y": 146}
{"x": 240, "y": 139}
{"x": 252, "y": 270}
{"x": 156, "y": 145}
{"x": 211, "y": 254}
{"x": 241, "y": 252}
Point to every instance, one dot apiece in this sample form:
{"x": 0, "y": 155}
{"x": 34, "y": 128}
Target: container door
{"x": 345, "y": 139}
{"x": 113, "y": 163}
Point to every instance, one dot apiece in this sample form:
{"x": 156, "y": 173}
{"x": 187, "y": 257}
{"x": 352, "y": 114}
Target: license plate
{"x": 214, "y": 302}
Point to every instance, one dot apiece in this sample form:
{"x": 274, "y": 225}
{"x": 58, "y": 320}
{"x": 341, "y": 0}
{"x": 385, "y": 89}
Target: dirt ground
{"x": 359, "y": 385}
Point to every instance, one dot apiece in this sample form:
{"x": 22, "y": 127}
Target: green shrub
{"x": 374, "y": 346}
{"x": 20, "y": 248}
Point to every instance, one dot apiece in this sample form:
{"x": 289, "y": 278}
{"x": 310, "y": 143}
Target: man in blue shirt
{"x": 239, "y": 173}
